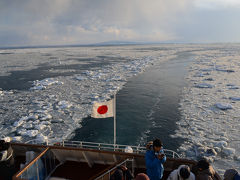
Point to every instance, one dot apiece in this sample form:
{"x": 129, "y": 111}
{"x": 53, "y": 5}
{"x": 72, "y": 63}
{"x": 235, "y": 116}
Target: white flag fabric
{"x": 103, "y": 109}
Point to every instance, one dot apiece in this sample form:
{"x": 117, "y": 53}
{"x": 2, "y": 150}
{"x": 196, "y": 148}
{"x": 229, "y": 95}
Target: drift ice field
{"x": 46, "y": 92}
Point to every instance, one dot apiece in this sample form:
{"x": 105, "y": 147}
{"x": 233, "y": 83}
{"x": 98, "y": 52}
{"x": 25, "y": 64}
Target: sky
{"x": 65, "y": 22}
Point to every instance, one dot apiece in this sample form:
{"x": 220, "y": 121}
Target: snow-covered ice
{"x": 55, "y": 106}
{"x": 210, "y": 116}
{"x": 204, "y": 85}
{"x": 223, "y": 106}
{"x": 43, "y": 84}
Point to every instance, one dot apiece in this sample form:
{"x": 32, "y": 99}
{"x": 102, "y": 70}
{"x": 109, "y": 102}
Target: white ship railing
{"x": 112, "y": 147}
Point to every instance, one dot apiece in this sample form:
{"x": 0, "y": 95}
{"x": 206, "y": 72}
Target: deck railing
{"x": 39, "y": 168}
{"x": 113, "y": 147}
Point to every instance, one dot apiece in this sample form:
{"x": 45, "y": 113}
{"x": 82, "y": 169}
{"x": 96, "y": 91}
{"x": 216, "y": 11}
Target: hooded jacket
{"x": 154, "y": 165}
{"x": 208, "y": 174}
{"x": 175, "y": 175}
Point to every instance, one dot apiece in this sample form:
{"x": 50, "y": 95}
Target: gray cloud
{"x": 44, "y": 22}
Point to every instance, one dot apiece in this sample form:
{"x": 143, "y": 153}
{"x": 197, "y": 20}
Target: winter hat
{"x": 184, "y": 171}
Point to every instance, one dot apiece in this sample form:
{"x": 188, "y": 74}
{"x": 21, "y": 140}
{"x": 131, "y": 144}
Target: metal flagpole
{"x": 114, "y": 123}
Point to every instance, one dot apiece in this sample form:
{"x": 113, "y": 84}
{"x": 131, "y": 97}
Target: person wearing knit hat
{"x": 142, "y": 176}
{"x": 231, "y": 174}
{"x": 154, "y": 159}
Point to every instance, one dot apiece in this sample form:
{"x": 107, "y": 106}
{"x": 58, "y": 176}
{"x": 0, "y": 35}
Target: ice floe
{"x": 223, "y": 106}
{"x": 43, "y": 84}
{"x": 229, "y": 152}
{"x": 64, "y": 104}
{"x": 210, "y": 120}
{"x": 20, "y": 121}
{"x": 204, "y": 85}
{"x": 235, "y": 98}
{"x": 40, "y": 138}
{"x": 56, "y": 106}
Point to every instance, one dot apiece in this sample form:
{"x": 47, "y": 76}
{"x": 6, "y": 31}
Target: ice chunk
{"x": 217, "y": 149}
{"x": 33, "y": 117}
{"x": 228, "y": 151}
{"x": 223, "y": 106}
{"x": 204, "y": 85}
{"x": 17, "y": 138}
{"x": 220, "y": 144}
{"x": 40, "y": 126}
{"x": 64, "y": 104}
{"x": 225, "y": 70}
{"x": 41, "y": 138}
{"x": 211, "y": 152}
{"x": 238, "y": 158}
{"x": 20, "y": 122}
{"x": 209, "y": 79}
{"x": 80, "y": 78}
{"x": 235, "y": 98}
{"x": 39, "y": 85}
{"x": 46, "y": 117}
{"x": 27, "y": 125}
{"x": 234, "y": 87}
{"x": 31, "y": 133}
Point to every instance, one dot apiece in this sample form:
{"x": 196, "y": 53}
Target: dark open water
{"x": 147, "y": 107}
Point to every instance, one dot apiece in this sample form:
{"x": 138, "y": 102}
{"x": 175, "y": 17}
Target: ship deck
{"x": 58, "y": 162}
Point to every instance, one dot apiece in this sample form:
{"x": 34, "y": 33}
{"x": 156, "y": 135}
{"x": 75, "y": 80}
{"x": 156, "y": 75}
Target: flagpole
{"x": 114, "y": 123}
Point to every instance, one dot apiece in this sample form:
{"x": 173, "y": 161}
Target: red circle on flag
{"x": 102, "y": 109}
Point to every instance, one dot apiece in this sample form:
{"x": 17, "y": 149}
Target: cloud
{"x": 34, "y": 22}
{"x": 217, "y": 4}
{"x": 72, "y": 21}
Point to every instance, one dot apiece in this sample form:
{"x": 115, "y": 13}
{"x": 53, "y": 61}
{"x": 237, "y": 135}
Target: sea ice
{"x": 64, "y": 104}
{"x": 20, "y": 122}
{"x": 46, "y": 117}
{"x": 223, "y": 106}
{"x": 228, "y": 151}
{"x": 226, "y": 70}
{"x": 209, "y": 79}
{"x": 43, "y": 84}
{"x": 235, "y": 98}
{"x": 40, "y": 138}
{"x": 31, "y": 133}
{"x": 40, "y": 126}
{"x": 81, "y": 78}
{"x": 204, "y": 85}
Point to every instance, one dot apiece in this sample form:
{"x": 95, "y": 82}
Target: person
{"x": 7, "y": 168}
{"x": 182, "y": 173}
{"x": 155, "y": 158}
{"x": 231, "y": 174}
{"x": 142, "y": 176}
{"x": 121, "y": 173}
{"x": 205, "y": 171}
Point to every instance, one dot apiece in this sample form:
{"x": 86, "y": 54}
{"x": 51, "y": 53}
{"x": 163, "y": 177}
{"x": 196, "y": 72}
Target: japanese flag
{"x": 103, "y": 109}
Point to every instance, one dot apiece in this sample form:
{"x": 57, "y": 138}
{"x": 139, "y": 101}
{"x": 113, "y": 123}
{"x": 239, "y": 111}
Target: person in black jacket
{"x": 122, "y": 173}
{"x": 7, "y": 168}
